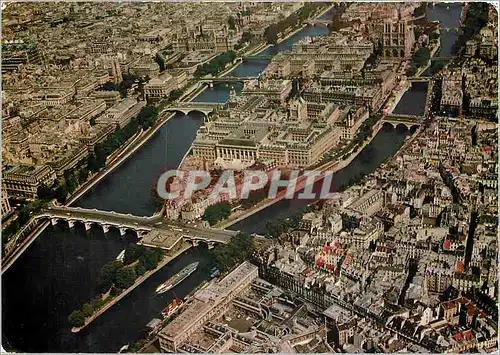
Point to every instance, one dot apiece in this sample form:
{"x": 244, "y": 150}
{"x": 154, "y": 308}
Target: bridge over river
{"x": 401, "y": 119}
{"x": 229, "y": 79}
{"x": 152, "y": 231}
{"x": 191, "y": 106}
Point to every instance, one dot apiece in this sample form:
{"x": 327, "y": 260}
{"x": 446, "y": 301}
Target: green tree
{"x": 70, "y": 181}
{"x": 60, "y": 193}
{"x": 125, "y": 277}
{"x": 421, "y": 57}
{"x": 87, "y": 309}
{"x": 97, "y": 303}
{"x": 83, "y": 175}
{"x": 44, "y": 192}
{"x": 108, "y": 275}
{"x": 92, "y": 121}
{"x": 276, "y": 227}
{"x": 240, "y": 248}
{"x": 24, "y": 215}
{"x": 246, "y": 36}
{"x": 419, "y": 11}
{"x": 132, "y": 253}
{"x": 160, "y": 61}
{"x": 232, "y": 23}
{"x": 114, "y": 291}
{"x": 140, "y": 270}
{"x": 9, "y": 231}
{"x": 434, "y": 36}
{"x": 217, "y": 212}
{"x": 175, "y": 94}
{"x": 271, "y": 34}
{"x": 76, "y": 318}
{"x": 150, "y": 259}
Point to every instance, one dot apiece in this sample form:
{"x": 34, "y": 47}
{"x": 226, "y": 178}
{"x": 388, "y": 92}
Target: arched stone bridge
{"x": 188, "y": 107}
{"x": 255, "y": 57}
{"x": 229, "y": 79}
{"x": 406, "y": 120}
{"x": 105, "y": 219}
{"x": 317, "y": 22}
{"x": 153, "y": 230}
{"x": 421, "y": 79}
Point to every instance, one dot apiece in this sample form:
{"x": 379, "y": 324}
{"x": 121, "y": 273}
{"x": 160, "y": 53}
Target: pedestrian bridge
{"x": 143, "y": 226}
{"x": 188, "y": 107}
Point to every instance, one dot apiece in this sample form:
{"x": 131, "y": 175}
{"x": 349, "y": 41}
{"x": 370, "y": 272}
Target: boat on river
{"x": 121, "y": 256}
{"x": 172, "y": 308}
{"x": 177, "y": 278}
{"x": 123, "y": 348}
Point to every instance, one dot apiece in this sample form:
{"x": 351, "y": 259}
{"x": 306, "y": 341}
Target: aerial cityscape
{"x": 249, "y": 177}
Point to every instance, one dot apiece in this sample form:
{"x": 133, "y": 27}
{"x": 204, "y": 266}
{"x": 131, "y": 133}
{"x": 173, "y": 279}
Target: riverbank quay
{"x": 260, "y": 48}
{"x": 10, "y": 259}
{"x": 137, "y": 282}
{"x": 194, "y": 92}
{"x": 302, "y": 26}
{"x": 403, "y": 87}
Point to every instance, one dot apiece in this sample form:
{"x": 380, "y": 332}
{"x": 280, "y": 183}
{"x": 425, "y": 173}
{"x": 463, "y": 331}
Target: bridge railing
{"x": 78, "y": 210}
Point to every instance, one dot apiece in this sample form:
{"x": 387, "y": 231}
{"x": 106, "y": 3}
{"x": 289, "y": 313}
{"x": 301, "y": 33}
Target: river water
{"x": 449, "y": 16}
{"x": 413, "y": 100}
{"x": 59, "y": 271}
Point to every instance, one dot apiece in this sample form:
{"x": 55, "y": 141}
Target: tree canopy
{"x": 217, "y": 212}
{"x": 145, "y": 118}
{"x": 125, "y": 277}
{"x": 216, "y": 65}
{"x": 227, "y": 256}
{"x": 132, "y": 253}
{"x": 76, "y": 318}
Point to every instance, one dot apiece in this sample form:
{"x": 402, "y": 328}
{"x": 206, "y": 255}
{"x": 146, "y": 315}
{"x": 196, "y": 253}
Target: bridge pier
{"x": 123, "y": 231}
{"x": 105, "y": 228}
{"x": 88, "y": 225}
{"x": 53, "y": 221}
{"x": 211, "y": 245}
{"x": 71, "y": 223}
{"x": 195, "y": 242}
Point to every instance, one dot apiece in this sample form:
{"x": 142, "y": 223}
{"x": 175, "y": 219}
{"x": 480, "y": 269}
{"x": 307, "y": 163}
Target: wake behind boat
{"x": 177, "y": 278}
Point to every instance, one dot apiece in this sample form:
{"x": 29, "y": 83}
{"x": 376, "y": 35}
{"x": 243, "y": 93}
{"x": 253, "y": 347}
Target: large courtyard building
{"x": 254, "y": 128}
{"x": 211, "y": 37}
